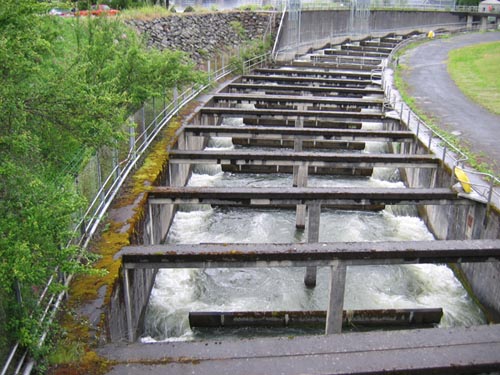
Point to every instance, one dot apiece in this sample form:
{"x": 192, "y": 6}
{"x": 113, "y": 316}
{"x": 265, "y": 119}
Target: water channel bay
{"x": 180, "y": 291}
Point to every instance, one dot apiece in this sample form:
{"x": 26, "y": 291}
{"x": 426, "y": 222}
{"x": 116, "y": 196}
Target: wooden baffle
{"x": 375, "y": 319}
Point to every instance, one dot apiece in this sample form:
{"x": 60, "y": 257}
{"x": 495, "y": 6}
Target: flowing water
{"x": 179, "y": 291}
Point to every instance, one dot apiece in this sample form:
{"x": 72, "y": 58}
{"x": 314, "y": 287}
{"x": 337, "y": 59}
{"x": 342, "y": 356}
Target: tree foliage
{"x": 67, "y": 85}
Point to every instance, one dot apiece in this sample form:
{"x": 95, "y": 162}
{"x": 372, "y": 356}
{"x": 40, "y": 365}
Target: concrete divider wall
{"x": 159, "y": 219}
{"x": 457, "y": 222}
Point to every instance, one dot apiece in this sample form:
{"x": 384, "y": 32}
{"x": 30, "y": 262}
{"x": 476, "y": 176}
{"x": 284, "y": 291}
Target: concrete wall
{"x": 318, "y": 28}
{"x": 456, "y": 222}
{"x": 153, "y": 228}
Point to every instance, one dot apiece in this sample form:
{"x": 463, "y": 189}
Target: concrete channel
{"x": 314, "y": 105}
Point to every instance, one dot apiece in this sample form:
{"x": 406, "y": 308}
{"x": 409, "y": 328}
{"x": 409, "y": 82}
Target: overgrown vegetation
{"x": 146, "y": 12}
{"x": 478, "y": 162}
{"x": 249, "y": 51}
{"x": 68, "y": 85}
{"x": 238, "y": 29}
{"x": 476, "y": 71}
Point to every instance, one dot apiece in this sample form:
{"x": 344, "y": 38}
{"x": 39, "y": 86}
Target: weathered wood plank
{"x": 332, "y": 82}
{"x": 340, "y": 91}
{"x": 259, "y": 98}
{"x": 313, "y": 159}
{"x": 312, "y": 254}
{"x": 292, "y": 133}
{"x": 262, "y": 197}
{"x": 244, "y": 112}
{"x": 382, "y": 318}
{"x": 290, "y": 70}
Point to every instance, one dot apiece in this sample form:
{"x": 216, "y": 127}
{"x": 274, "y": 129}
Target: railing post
{"x": 490, "y": 194}
{"x": 99, "y": 176}
{"x": 143, "y": 120}
{"x": 154, "y": 112}
{"x": 132, "y": 142}
{"x": 116, "y": 164}
{"x": 176, "y": 97}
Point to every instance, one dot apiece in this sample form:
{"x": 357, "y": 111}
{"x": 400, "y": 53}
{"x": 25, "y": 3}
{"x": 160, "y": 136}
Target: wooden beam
{"x": 308, "y": 254}
{"x": 313, "y": 159}
{"x": 280, "y": 132}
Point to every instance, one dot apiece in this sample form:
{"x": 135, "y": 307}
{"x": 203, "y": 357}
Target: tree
{"x": 68, "y": 86}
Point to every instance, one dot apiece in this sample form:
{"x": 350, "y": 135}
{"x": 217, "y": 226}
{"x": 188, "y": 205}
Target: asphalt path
{"x": 437, "y": 96}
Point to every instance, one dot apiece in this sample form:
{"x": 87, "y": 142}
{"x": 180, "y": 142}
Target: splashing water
{"x": 179, "y": 291}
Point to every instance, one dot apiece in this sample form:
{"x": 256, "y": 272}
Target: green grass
{"x": 476, "y": 71}
{"x": 145, "y": 13}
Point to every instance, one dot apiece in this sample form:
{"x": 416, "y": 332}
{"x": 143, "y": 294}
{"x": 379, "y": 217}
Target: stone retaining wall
{"x": 202, "y": 35}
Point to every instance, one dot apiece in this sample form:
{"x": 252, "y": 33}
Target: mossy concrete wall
{"x": 152, "y": 228}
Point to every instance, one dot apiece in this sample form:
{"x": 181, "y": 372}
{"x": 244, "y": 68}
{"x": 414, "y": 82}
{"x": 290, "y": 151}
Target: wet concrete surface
{"x": 438, "y": 97}
{"x": 428, "y": 351}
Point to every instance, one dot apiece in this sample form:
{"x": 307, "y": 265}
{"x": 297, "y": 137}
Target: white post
{"x": 151, "y": 227}
{"x": 128, "y": 305}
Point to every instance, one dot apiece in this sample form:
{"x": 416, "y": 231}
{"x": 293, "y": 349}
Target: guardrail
{"x": 482, "y": 184}
{"x": 88, "y": 224}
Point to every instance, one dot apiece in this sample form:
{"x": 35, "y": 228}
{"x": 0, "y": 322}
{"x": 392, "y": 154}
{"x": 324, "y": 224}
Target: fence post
{"x": 154, "y": 111}
{"x": 116, "y": 164}
{"x": 132, "y": 141}
{"x": 99, "y": 176}
{"x": 176, "y": 97}
{"x": 143, "y": 120}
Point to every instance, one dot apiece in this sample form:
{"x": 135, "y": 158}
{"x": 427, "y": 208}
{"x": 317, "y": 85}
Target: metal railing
{"x": 274, "y": 52}
{"x": 93, "y": 216}
{"x": 482, "y": 184}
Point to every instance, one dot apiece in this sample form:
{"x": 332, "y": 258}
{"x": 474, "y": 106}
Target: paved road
{"x": 438, "y": 97}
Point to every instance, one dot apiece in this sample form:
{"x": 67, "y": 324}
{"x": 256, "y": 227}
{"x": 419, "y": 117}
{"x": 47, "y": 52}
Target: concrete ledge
{"x": 429, "y": 351}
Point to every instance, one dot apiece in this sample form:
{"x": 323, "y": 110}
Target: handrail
{"x": 278, "y": 35}
{"x": 106, "y": 196}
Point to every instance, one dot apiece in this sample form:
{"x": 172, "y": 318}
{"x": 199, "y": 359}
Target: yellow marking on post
{"x": 463, "y": 179}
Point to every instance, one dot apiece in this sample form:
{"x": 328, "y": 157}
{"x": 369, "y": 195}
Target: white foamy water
{"x": 177, "y": 292}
